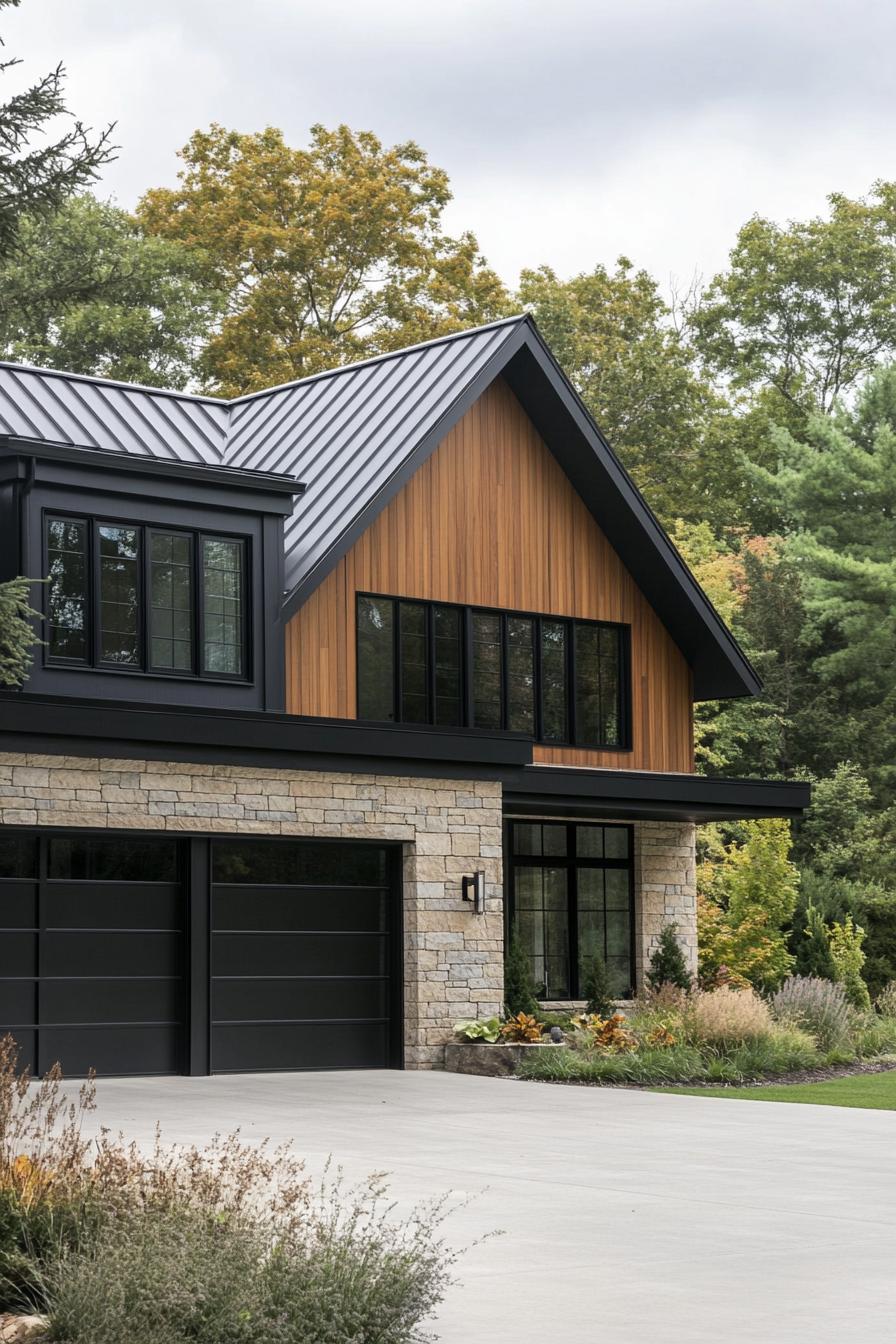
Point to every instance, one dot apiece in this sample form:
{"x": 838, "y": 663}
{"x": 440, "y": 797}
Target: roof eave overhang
{"x": 96, "y": 728}
{"x": 549, "y": 791}
{"x": 15, "y": 449}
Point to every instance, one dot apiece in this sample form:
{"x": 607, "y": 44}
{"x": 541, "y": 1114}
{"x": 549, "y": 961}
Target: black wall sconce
{"x": 474, "y": 890}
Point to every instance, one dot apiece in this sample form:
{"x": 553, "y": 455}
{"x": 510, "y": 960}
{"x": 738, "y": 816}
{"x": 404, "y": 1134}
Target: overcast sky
{"x": 572, "y": 130}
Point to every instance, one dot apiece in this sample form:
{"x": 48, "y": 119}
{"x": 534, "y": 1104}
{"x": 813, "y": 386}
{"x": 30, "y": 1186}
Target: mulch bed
{"x": 798, "y": 1076}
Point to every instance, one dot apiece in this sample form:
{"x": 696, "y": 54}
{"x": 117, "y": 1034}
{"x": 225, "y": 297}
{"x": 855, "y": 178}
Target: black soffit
{"x": 279, "y": 741}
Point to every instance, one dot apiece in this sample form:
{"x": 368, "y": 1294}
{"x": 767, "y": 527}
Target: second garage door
{"x": 304, "y": 956}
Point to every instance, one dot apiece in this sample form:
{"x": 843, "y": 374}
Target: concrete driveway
{"x": 629, "y": 1216}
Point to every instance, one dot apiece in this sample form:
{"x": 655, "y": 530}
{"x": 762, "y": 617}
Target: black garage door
{"x": 302, "y": 956}
{"x": 146, "y": 955}
{"x": 92, "y": 947}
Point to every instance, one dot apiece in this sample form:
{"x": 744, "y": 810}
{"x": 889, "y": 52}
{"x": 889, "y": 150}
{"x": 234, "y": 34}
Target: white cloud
{"x": 571, "y": 131}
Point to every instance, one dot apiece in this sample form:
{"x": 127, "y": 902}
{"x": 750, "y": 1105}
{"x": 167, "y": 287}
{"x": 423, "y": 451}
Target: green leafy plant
{"x": 519, "y": 983}
{"x": 482, "y": 1029}
{"x": 597, "y": 988}
{"x": 667, "y": 964}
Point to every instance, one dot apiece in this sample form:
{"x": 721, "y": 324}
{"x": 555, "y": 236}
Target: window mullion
{"x": 468, "y": 666}
{"x": 573, "y": 912}
{"x": 396, "y": 631}
{"x": 505, "y": 675}
{"x": 571, "y": 726}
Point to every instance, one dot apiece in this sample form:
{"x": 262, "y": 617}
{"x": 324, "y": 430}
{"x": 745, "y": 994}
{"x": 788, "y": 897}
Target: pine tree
{"x": 519, "y": 983}
{"x": 37, "y": 180}
{"x": 17, "y": 637}
{"x": 598, "y": 989}
{"x": 667, "y": 965}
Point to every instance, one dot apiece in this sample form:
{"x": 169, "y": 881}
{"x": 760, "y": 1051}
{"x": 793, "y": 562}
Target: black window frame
{"x": 571, "y": 862}
{"x": 145, "y": 667}
{"x": 505, "y": 614}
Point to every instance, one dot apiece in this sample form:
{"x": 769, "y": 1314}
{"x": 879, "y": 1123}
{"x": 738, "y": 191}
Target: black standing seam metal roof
{"x": 355, "y": 434}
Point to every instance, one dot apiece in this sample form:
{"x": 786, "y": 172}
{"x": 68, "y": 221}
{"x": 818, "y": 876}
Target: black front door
{"x": 92, "y": 952}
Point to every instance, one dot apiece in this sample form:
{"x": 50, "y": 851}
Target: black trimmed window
{"x": 561, "y": 680}
{"x": 141, "y": 598}
{"x": 571, "y": 897}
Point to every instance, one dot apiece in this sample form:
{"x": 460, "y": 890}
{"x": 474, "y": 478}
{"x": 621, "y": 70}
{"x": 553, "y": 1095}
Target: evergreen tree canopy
{"x": 37, "y": 178}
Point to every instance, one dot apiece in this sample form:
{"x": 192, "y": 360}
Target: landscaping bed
{"x": 729, "y": 1035}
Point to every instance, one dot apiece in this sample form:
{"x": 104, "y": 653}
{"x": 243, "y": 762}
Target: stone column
{"x": 665, "y": 889}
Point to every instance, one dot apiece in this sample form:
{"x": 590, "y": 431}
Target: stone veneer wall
{"x": 665, "y": 888}
{"x": 453, "y": 958}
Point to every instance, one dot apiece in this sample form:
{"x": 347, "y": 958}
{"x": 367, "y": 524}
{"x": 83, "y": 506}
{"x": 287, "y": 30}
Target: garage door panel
{"x": 121, "y": 1000}
{"x": 113, "y": 1049}
{"x": 118, "y": 954}
{"x": 310, "y": 998}
{"x": 300, "y": 863}
{"x": 300, "y": 954}
{"x": 18, "y": 953}
{"x": 26, "y": 1042}
{"x": 297, "y": 909}
{"x": 18, "y": 905}
{"x": 116, "y": 906}
{"x": 18, "y": 1002}
{"x": 342, "y": 1045}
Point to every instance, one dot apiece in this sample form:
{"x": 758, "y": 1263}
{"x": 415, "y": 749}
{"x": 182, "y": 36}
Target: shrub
{"x": 667, "y": 964}
{"x": 519, "y": 983}
{"x": 524, "y": 1027}
{"x": 872, "y": 1035}
{"x": 846, "y": 950}
{"x": 784, "y": 1051}
{"x": 725, "y": 1017}
{"x": 878, "y": 915}
{"x": 812, "y": 946}
{"x": 609, "y": 1034}
{"x": 168, "y": 1275}
{"x": 597, "y": 988}
{"x": 224, "y": 1245}
{"x": 885, "y": 1003}
{"x": 745, "y": 901}
{"x": 818, "y": 1006}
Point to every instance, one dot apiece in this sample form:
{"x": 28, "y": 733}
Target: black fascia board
{"x": 632, "y": 794}
{"x": 77, "y": 726}
{"x": 720, "y": 667}
{"x": 282, "y": 490}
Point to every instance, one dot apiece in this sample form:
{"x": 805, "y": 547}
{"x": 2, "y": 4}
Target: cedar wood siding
{"x": 490, "y": 519}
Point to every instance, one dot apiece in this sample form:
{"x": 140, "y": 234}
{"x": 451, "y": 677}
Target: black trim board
{"x": 37, "y": 724}
{"x": 721, "y": 668}
{"x": 624, "y": 795}
{"x": 76, "y": 456}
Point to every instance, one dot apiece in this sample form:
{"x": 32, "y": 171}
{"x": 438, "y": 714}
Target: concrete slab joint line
{"x": 453, "y": 960}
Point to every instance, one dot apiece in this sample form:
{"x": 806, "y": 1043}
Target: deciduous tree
{"x": 87, "y": 290}
{"x": 324, "y": 254}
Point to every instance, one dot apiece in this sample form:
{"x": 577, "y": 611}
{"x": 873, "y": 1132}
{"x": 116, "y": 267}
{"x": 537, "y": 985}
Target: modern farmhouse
{"x": 341, "y": 681}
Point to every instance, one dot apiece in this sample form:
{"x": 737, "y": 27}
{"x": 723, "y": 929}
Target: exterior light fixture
{"x": 474, "y": 890}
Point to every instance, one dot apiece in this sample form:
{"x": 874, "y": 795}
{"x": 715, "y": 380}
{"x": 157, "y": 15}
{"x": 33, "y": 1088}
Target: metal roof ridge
{"x": 18, "y": 367}
{"x": 381, "y": 359}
